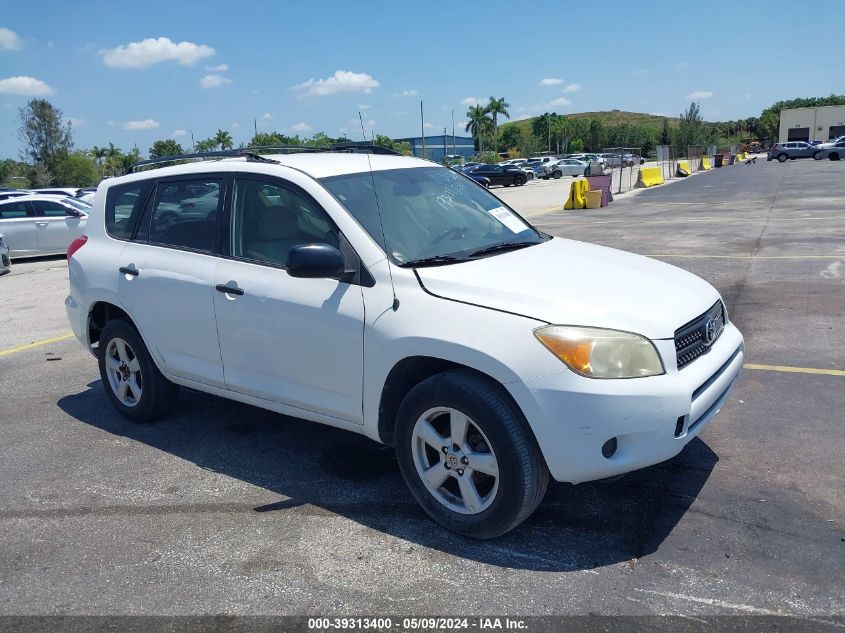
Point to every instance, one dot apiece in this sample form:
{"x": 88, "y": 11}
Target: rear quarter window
{"x": 124, "y": 207}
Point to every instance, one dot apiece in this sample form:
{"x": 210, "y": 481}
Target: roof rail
{"x": 254, "y": 153}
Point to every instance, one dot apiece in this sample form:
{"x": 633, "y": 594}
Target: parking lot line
{"x": 796, "y": 370}
{"x": 46, "y": 341}
{"x": 718, "y": 220}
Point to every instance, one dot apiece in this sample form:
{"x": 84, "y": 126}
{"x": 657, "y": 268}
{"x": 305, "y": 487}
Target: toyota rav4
{"x": 397, "y": 299}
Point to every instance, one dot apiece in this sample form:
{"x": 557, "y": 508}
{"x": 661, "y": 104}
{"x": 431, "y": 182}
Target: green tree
{"x": 165, "y": 147}
{"x": 44, "y": 132}
{"x": 496, "y": 107}
{"x": 76, "y": 169}
{"x": 690, "y": 130}
{"x": 595, "y": 136}
{"x": 478, "y": 124}
{"x": 576, "y": 146}
{"x": 223, "y": 139}
{"x": 206, "y": 145}
{"x": 14, "y": 174}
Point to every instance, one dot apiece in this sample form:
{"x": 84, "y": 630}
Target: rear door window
{"x": 14, "y": 210}
{"x": 184, "y": 213}
{"x": 49, "y": 209}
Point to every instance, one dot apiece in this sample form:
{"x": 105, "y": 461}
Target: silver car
{"x": 834, "y": 150}
{"x": 38, "y": 225}
{"x": 5, "y": 261}
{"x": 567, "y": 167}
{"x": 791, "y": 150}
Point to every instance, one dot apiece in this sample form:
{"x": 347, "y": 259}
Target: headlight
{"x": 599, "y": 353}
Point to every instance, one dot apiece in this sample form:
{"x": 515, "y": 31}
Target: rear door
{"x": 17, "y": 223}
{"x": 165, "y": 276}
{"x": 55, "y": 229}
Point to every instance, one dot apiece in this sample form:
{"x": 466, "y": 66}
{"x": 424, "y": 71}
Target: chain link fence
{"x": 623, "y": 163}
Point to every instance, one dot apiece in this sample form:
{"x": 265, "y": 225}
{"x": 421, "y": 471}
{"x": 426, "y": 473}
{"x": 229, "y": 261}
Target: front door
{"x": 294, "y": 341}
{"x": 55, "y": 229}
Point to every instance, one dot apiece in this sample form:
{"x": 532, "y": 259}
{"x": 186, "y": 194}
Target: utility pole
{"x": 255, "y": 125}
{"x": 454, "y": 145}
{"x": 192, "y": 141}
{"x": 422, "y": 128}
{"x": 445, "y": 145}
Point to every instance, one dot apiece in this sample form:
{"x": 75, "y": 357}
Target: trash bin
{"x": 717, "y": 160}
{"x": 593, "y": 197}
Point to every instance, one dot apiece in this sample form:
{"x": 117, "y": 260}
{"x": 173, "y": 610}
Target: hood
{"x": 565, "y": 282}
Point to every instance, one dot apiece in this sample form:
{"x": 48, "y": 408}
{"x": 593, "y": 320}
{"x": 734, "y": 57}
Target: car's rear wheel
{"x": 133, "y": 383}
{"x": 468, "y": 456}
{"x": 782, "y": 158}
{"x": 519, "y": 180}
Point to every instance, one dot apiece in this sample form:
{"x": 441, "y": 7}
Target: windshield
{"x": 429, "y": 212}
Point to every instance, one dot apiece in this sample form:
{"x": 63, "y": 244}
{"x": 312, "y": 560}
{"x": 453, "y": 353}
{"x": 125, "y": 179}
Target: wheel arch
{"x": 99, "y": 314}
{"x": 411, "y": 371}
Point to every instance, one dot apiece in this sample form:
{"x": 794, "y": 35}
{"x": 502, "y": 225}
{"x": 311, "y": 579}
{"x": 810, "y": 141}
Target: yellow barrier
{"x": 577, "y": 194}
{"x": 649, "y": 177}
{"x": 593, "y": 199}
{"x": 705, "y": 163}
{"x": 682, "y": 164}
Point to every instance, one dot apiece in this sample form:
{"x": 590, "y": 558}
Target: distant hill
{"x": 608, "y": 117}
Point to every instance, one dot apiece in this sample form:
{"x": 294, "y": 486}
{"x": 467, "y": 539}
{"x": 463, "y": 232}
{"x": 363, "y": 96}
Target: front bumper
{"x": 652, "y": 418}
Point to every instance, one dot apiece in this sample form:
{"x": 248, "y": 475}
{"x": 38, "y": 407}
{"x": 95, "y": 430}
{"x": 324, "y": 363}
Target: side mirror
{"x": 73, "y": 213}
{"x": 315, "y": 261}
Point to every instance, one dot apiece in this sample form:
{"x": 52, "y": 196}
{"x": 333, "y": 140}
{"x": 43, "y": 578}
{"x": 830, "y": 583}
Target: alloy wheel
{"x": 124, "y": 372}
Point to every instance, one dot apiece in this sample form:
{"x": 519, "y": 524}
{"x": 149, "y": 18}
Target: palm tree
{"x": 478, "y": 124}
{"x": 497, "y": 107}
{"x": 223, "y": 139}
{"x": 99, "y": 153}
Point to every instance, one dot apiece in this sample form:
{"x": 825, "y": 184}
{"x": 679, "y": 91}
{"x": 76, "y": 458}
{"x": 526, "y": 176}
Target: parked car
{"x": 514, "y": 161}
{"x": 13, "y": 193}
{"x": 595, "y": 160}
{"x": 534, "y": 169}
{"x": 351, "y": 290}
{"x": 5, "y": 260}
{"x": 834, "y": 150}
{"x": 790, "y": 151}
{"x": 505, "y": 175}
{"x": 59, "y": 191}
{"x": 567, "y": 167}
{"x": 37, "y": 225}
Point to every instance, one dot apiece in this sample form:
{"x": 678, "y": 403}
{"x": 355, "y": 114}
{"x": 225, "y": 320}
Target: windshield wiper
{"x": 436, "y": 260}
{"x": 498, "y": 248}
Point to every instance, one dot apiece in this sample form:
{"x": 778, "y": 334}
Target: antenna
{"x": 380, "y": 220}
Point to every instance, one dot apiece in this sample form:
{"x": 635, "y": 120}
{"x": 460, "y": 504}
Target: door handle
{"x": 129, "y": 271}
{"x": 229, "y": 290}
{"x": 42, "y": 224}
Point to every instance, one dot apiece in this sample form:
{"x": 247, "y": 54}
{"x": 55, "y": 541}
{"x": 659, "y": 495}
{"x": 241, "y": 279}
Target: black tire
{"x": 506, "y": 184}
{"x": 519, "y": 180}
{"x": 782, "y": 158}
{"x": 817, "y": 156}
{"x": 557, "y": 175}
{"x": 833, "y": 156}
{"x": 157, "y": 395}
{"x": 523, "y": 475}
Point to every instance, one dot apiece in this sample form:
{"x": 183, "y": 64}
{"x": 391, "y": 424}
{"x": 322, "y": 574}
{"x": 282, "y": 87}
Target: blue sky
{"x": 131, "y": 73}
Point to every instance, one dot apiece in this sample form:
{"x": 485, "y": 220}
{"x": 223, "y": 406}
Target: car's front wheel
{"x": 833, "y": 156}
{"x": 782, "y": 158}
{"x": 468, "y": 456}
{"x": 133, "y": 383}
{"x": 519, "y": 180}
{"x": 817, "y": 156}
{"x": 557, "y": 174}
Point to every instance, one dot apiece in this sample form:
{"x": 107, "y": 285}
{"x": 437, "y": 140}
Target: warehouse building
{"x": 812, "y": 124}
{"x": 435, "y": 149}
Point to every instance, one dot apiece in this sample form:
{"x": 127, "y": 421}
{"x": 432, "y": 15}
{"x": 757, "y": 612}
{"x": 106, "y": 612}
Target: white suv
{"x": 394, "y": 298}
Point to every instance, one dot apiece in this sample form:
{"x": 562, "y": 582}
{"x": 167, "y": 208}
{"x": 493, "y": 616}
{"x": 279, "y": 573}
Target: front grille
{"x": 692, "y": 340}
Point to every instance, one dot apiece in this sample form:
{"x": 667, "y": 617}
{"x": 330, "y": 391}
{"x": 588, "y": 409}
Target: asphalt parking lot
{"x": 224, "y": 508}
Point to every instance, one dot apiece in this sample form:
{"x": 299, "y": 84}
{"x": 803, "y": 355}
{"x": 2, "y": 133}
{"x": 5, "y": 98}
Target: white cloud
{"x": 25, "y": 86}
{"x": 364, "y": 106}
{"x": 461, "y": 125}
{"x": 214, "y": 81}
{"x": 409, "y": 93}
{"x": 9, "y": 40}
{"x": 74, "y": 122}
{"x": 266, "y": 117}
{"x": 300, "y": 127}
{"x": 219, "y": 68}
{"x": 681, "y": 65}
{"x": 641, "y": 71}
{"x": 699, "y": 94}
{"x": 236, "y": 125}
{"x": 341, "y": 81}
{"x": 178, "y": 133}
{"x": 572, "y": 88}
{"x": 397, "y": 113}
{"x": 151, "y": 51}
{"x": 428, "y": 126}
{"x": 551, "y": 81}
{"x": 471, "y": 101}
{"x": 560, "y": 102}
{"x": 146, "y": 124}
{"x": 51, "y": 44}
